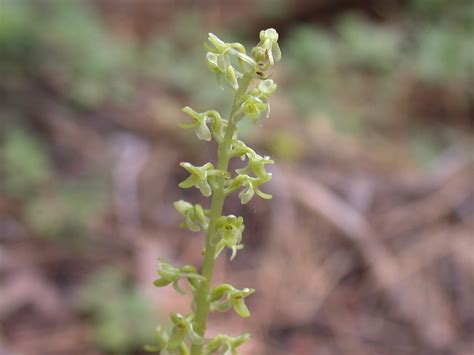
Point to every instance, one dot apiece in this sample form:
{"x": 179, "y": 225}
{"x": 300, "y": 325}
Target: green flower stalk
{"x": 248, "y": 75}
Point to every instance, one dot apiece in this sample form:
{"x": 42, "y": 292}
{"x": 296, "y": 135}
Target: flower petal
{"x": 203, "y": 132}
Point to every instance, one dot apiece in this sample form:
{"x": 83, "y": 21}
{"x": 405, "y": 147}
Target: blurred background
{"x": 367, "y": 246}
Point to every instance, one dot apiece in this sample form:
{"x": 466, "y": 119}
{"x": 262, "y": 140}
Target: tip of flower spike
{"x": 272, "y": 34}
{"x": 269, "y": 33}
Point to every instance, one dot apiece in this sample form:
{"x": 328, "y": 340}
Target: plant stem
{"x": 217, "y": 203}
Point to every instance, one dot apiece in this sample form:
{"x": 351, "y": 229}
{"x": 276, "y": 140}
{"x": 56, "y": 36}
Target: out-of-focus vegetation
{"x": 389, "y": 84}
{"x": 429, "y": 45}
{"x": 66, "y": 41}
{"x": 121, "y": 317}
{"x": 55, "y": 206}
{"x": 26, "y": 163}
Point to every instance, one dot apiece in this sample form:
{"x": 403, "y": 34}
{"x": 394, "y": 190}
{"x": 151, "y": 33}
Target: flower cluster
{"x": 200, "y": 122}
{"x": 220, "y": 57}
{"x": 250, "y": 177}
{"x": 248, "y": 75}
{"x": 228, "y": 234}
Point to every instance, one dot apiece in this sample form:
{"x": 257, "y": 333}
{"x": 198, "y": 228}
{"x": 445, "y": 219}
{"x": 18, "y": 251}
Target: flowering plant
{"x": 248, "y": 76}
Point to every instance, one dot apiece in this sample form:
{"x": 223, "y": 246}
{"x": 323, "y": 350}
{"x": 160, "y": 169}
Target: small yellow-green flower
{"x": 195, "y": 215}
{"x": 267, "y": 49}
{"x": 229, "y": 234}
{"x": 256, "y": 101}
{"x": 200, "y": 177}
{"x": 171, "y": 275}
{"x": 200, "y": 121}
{"x": 239, "y": 149}
{"x": 250, "y": 187}
{"x": 183, "y": 328}
{"x": 219, "y": 60}
{"x": 225, "y": 296}
{"x": 266, "y": 88}
{"x": 256, "y": 165}
{"x": 253, "y": 106}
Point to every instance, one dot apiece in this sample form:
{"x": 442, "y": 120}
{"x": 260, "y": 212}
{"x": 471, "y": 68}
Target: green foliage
{"x": 52, "y": 207}
{"x": 26, "y": 163}
{"x": 431, "y": 7}
{"x": 367, "y": 46}
{"x": 313, "y": 66}
{"x": 356, "y": 44}
{"x": 238, "y": 70}
{"x": 459, "y": 13}
{"x": 66, "y": 212}
{"x": 18, "y": 38}
{"x": 121, "y": 316}
{"x": 64, "y": 39}
{"x": 445, "y": 54}
{"x": 351, "y": 75}
{"x": 444, "y": 51}
{"x": 311, "y": 48}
